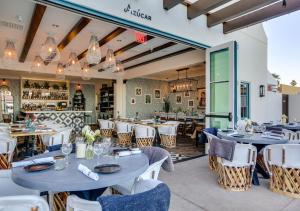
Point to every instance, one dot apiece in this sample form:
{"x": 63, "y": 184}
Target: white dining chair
{"x": 168, "y": 135}
{"x": 282, "y": 161}
{"x": 74, "y": 203}
{"x": 144, "y": 135}
{"x": 23, "y": 203}
{"x": 212, "y": 160}
{"x": 124, "y": 132}
{"x": 236, "y": 175}
{"x": 290, "y": 135}
{"x": 106, "y": 127}
{"x": 62, "y": 136}
{"x": 152, "y": 172}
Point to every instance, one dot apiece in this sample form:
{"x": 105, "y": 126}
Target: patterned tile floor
{"x": 186, "y": 149}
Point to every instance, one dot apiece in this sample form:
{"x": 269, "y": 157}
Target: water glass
{"x": 66, "y": 149}
{"x": 98, "y": 150}
{"x": 263, "y": 128}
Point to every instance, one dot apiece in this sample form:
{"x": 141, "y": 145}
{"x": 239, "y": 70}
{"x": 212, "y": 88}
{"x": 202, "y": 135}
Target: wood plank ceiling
{"x": 239, "y": 14}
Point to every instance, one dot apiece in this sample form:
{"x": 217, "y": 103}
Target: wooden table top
{"x": 33, "y": 133}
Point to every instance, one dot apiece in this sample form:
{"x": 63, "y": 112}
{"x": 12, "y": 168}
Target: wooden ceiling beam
{"x": 169, "y": 4}
{"x": 36, "y": 19}
{"x": 105, "y": 40}
{"x": 76, "y": 29}
{"x": 126, "y": 48}
{"x": 156, "y": 49}
{"x": 202, "y": 7}
{"x": 264, "y": 14}
{"x": 161, "y": 58}
{"x": 235, "y": 10}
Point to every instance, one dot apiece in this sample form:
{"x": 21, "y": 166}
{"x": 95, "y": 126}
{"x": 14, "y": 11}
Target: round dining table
{"x": 71, "y": 179}
{"x": 255, "y": 138}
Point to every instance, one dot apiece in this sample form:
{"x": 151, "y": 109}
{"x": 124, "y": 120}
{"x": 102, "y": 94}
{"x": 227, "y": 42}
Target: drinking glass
{"x": 66, "y": 149}
{"x": 263, "y": 128}
{"x": 107, "y": 144}
{"x": 98, "y": 150}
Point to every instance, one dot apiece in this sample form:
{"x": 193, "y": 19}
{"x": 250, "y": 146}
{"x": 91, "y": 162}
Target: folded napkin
{"x": 86, "y": 171}
{"x": 127, "y": 153}
{"x": 30, "y": 162}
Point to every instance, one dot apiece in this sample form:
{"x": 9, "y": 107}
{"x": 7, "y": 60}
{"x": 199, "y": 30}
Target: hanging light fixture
{"x": 93, "y": 55}
{"x": 60, "y": 71}
{"x": 85, "y": 71}
{"x": 185, "y": 84}
{"x": 4, "y": 86}
{"x": 72, "y": 59}
{"x": 10, "y": 53}
{"x": 49, "y": 50}
{"x": 119, "y": 67}
{"x": 110, "y": 60}
{"x": 37, "y": 63}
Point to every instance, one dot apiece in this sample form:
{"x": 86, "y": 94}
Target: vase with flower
{"x": 90, "y": 136}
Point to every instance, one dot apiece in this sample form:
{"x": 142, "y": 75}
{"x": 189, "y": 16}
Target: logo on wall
{"x": 137, "y": 13}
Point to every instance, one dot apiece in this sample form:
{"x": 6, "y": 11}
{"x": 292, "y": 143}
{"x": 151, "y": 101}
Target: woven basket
{"x": 168, "y": 141}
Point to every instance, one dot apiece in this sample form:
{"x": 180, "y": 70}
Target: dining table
{"x": 71, "y": 179}
{"x": 257, "y": 140}
{"x": 289, "y": 126}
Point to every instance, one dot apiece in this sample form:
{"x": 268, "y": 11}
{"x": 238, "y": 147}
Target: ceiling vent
{"x": 11, "y": 25}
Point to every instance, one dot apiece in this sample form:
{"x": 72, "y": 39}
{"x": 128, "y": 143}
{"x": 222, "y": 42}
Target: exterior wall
{"x": 289, "y": 90}
{"x": 294, "y": 111}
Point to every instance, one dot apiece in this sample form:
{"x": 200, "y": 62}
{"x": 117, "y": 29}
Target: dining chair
{"x": 149, "y": 195}
{"x": 106, "y": 127}
{"x": 290, "y": 135}
{"x": 124, "y": 132}
{"x": 212, "y": 160}
{"x": 282, "y": 161}
{"x": 168, "y": 134}
{"x": 144, "y": 135}
{"x": 23, "y": 203}
{"x": 158, "y": 157}
{"x": 236, "y": 175}
{"x": 63, "y": 135}
{"x": 7, "y": 147}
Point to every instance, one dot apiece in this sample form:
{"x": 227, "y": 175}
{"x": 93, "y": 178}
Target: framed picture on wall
{"x": 187, "y": 94}
{"x": 132, "y": 101}
{"x": 178, "y": 99}
{"x": 157, "y": 94}
{"x": 191, "y": 103}
{"x": 148, "y": 98}
{"x": 138, "y": 91}
{"x": 202, "y": 97}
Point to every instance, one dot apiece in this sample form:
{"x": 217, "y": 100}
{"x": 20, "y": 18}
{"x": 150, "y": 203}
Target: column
{"x": 120, "y": 97}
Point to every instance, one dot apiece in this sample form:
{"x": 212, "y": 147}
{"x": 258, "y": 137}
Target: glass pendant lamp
{"x": 85, "y": 71}
{"x": 49, "y": 50}
{"x": 119, "y": 67}
{"x": 60, "y": 71}
{"x": 10, "y": 53}
{"x": 37, "y": 64}
{"x": 110, "y": 60}
{"x": 93, "y": 55}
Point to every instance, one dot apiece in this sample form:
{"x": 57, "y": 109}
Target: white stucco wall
{"x": 294, "y": 111}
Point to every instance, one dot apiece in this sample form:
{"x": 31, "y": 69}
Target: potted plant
{"x": 55, "y": 87}
{"x": 64, "y": 86}
{"x": 26, "y": 84}
{"x": 46, "y": 85}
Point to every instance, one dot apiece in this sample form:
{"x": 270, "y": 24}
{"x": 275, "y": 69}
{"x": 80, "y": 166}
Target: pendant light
{"x": 85, "y": 71}
{"x": 49, "y": 50}
{"x": 93, "y": 55}
{"x": 10, "y": 53}
{"x": 110, "y": 60}
{"x": 72, "y": 59}
{"x": 37, "y": 63}
{"x": 60, "y": 71}
{"x": 119, "y": 67}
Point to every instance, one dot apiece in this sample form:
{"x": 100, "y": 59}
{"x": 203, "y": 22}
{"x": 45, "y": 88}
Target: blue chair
{"x": 151, "y": 195}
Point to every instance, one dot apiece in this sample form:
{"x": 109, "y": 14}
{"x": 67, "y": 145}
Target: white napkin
{"x": 35, "y": 161}
{"x": 86, "y": 171}
{"x": 127, "y": 153}
{"x": 232, "y": 133}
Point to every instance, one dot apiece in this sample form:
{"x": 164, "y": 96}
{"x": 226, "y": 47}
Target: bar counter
{"x": 75, "y": 119}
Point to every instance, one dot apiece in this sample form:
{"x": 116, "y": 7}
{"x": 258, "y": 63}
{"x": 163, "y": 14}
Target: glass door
{"x": 221, "y": 85}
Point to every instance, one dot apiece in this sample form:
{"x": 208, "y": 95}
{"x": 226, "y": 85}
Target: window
{"x": 245, "y": 100}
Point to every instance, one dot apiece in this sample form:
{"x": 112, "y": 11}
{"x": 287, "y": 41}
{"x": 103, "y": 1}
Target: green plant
{"x": 64, "y": 86}
{"x": 26, "y": 84}
{"x": 46, "y": 85}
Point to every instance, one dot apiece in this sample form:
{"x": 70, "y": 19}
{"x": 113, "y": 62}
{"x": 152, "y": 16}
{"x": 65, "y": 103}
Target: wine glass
{"x": 263, "y": 128}
{"x": 98, "y": 150}
{"x": 66, "y": 149}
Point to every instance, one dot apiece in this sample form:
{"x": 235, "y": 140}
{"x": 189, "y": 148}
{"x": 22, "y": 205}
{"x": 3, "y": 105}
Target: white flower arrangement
{"x": 89, "y": 135}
